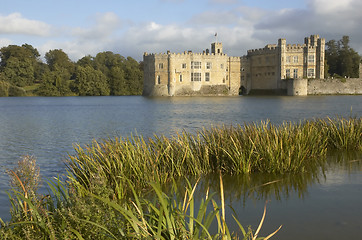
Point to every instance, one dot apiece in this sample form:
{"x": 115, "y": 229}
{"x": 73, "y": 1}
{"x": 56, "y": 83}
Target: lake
{"x": 314, "y": 206}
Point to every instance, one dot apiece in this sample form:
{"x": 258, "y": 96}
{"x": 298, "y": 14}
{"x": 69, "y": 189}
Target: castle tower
{"x": 314, "y": 40}
{"x": 216, "y": 48}
{"x": 321, "y": 42}
{"x": 171, "y": 75}
{"x": 282, "y": 43}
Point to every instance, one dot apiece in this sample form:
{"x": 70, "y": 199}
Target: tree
{"x": 117, "y": 81}
{"x": 342, "y": 59}
{"x": 331, "y": 55}
{"x": 55, "y": 79}
{"x": 111, "y": 65}
{"x": 55, "y": 83}
{"x": 58, "y": 58}
{"x": 19, "y": 72}
{"x": 85, "y": 61}
{"x": 90, "y": 82}
{"x": 19, "y": 63}
{"x": 133, "y": 76}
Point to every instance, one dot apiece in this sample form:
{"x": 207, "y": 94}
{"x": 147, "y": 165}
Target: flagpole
{"x": 216, "y": 37}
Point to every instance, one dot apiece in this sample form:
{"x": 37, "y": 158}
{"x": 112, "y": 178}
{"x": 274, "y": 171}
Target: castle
{"x": 215, "y": 73}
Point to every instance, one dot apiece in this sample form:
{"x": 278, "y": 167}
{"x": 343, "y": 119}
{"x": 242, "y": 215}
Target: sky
{"x": 132, "y": 27}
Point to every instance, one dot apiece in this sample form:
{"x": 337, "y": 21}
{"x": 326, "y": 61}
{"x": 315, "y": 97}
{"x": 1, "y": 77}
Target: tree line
{"x": 341, "y": 59}
{"x": 22, "y": 72}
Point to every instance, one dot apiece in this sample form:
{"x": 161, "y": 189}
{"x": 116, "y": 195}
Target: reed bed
{"x": 263, "y": 147}
{"x": 64, "y": 214}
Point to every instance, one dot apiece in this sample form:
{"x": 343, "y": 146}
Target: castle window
{"x": 222, "y": 66}
{"x": 160, "y": 66}
{"x": 195, "y": 77}
{"x": 158, "y": 79}
{"x": 287, "y": 73}
{"x": 295, "y": 73}
{"x": 180, "y": 78}
{"x": 195, "y": 65}
{"x": 310, "y": 72}
{"x": 184, "y": 65}
{"x": 207, "y": 76}
{"x": 288, "y": 59}
{"x": 208, "y": 65}
{"x": 295, "y": 59}
{"x": 310, "y": 59}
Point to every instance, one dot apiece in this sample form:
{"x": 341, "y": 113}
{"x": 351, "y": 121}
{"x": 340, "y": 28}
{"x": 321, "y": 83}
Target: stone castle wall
{"x": 346, "y": 86}
{"x": 188, "y": 73}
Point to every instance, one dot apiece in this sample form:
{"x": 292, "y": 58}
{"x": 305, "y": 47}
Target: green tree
{"x": 19, "y": 72}
{"x": 124, "y": 76}
{"x": 133, "y": 76}
{"x": 55, "y": 83}
{"x": 342, "y": 59}
{"x": 331, "y": 55}
{"x": 58, "y": 58}
{"x": 61, "y": 72}
{"x": 111, "y": 65}
{"x": 117, "y": 81}
{"x": 85, "y": 61}
{"x": 18, "y": 64}
{"x": 90, "y": 82}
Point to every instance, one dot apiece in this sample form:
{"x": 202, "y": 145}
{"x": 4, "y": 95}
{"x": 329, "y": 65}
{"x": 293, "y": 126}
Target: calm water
{"x": 47, "y": 128}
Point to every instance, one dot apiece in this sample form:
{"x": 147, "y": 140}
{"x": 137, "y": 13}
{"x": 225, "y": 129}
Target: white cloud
{"x": 102, "y": 35}
{"x": 330, "y": 6}
{"x": 104, "y": 26}
{"x": 15, "y": 23}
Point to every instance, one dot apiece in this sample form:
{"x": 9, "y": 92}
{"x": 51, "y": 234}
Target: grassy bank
{"x": 103, "y": 196}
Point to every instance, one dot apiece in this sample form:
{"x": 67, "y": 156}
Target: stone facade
{"x": 215, "y": 73}
{"x": 269, "y": 68}
{"x": 188, "y": 73}
{"x": 344, "y": 86}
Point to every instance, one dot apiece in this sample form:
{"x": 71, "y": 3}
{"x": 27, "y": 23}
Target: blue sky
{"x": 86, "y": 27}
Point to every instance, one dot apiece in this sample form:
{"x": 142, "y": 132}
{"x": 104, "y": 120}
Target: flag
{"x": 215, "y": 34}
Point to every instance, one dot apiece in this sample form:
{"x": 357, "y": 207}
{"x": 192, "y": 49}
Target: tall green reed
{"x": 167, "y": 215}
{"x": 233, "y": 150}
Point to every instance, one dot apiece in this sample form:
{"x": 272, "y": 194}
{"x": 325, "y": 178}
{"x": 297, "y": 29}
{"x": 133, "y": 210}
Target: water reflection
{"x": 261, "y": 186}
{"x": 321, "y": 204}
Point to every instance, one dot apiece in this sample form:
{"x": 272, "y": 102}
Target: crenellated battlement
{"x": 270, "y": 48}
{"x": 235, "y": 58}
{"x": 184, "y": 54}
{"x": 295, "y": 46}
